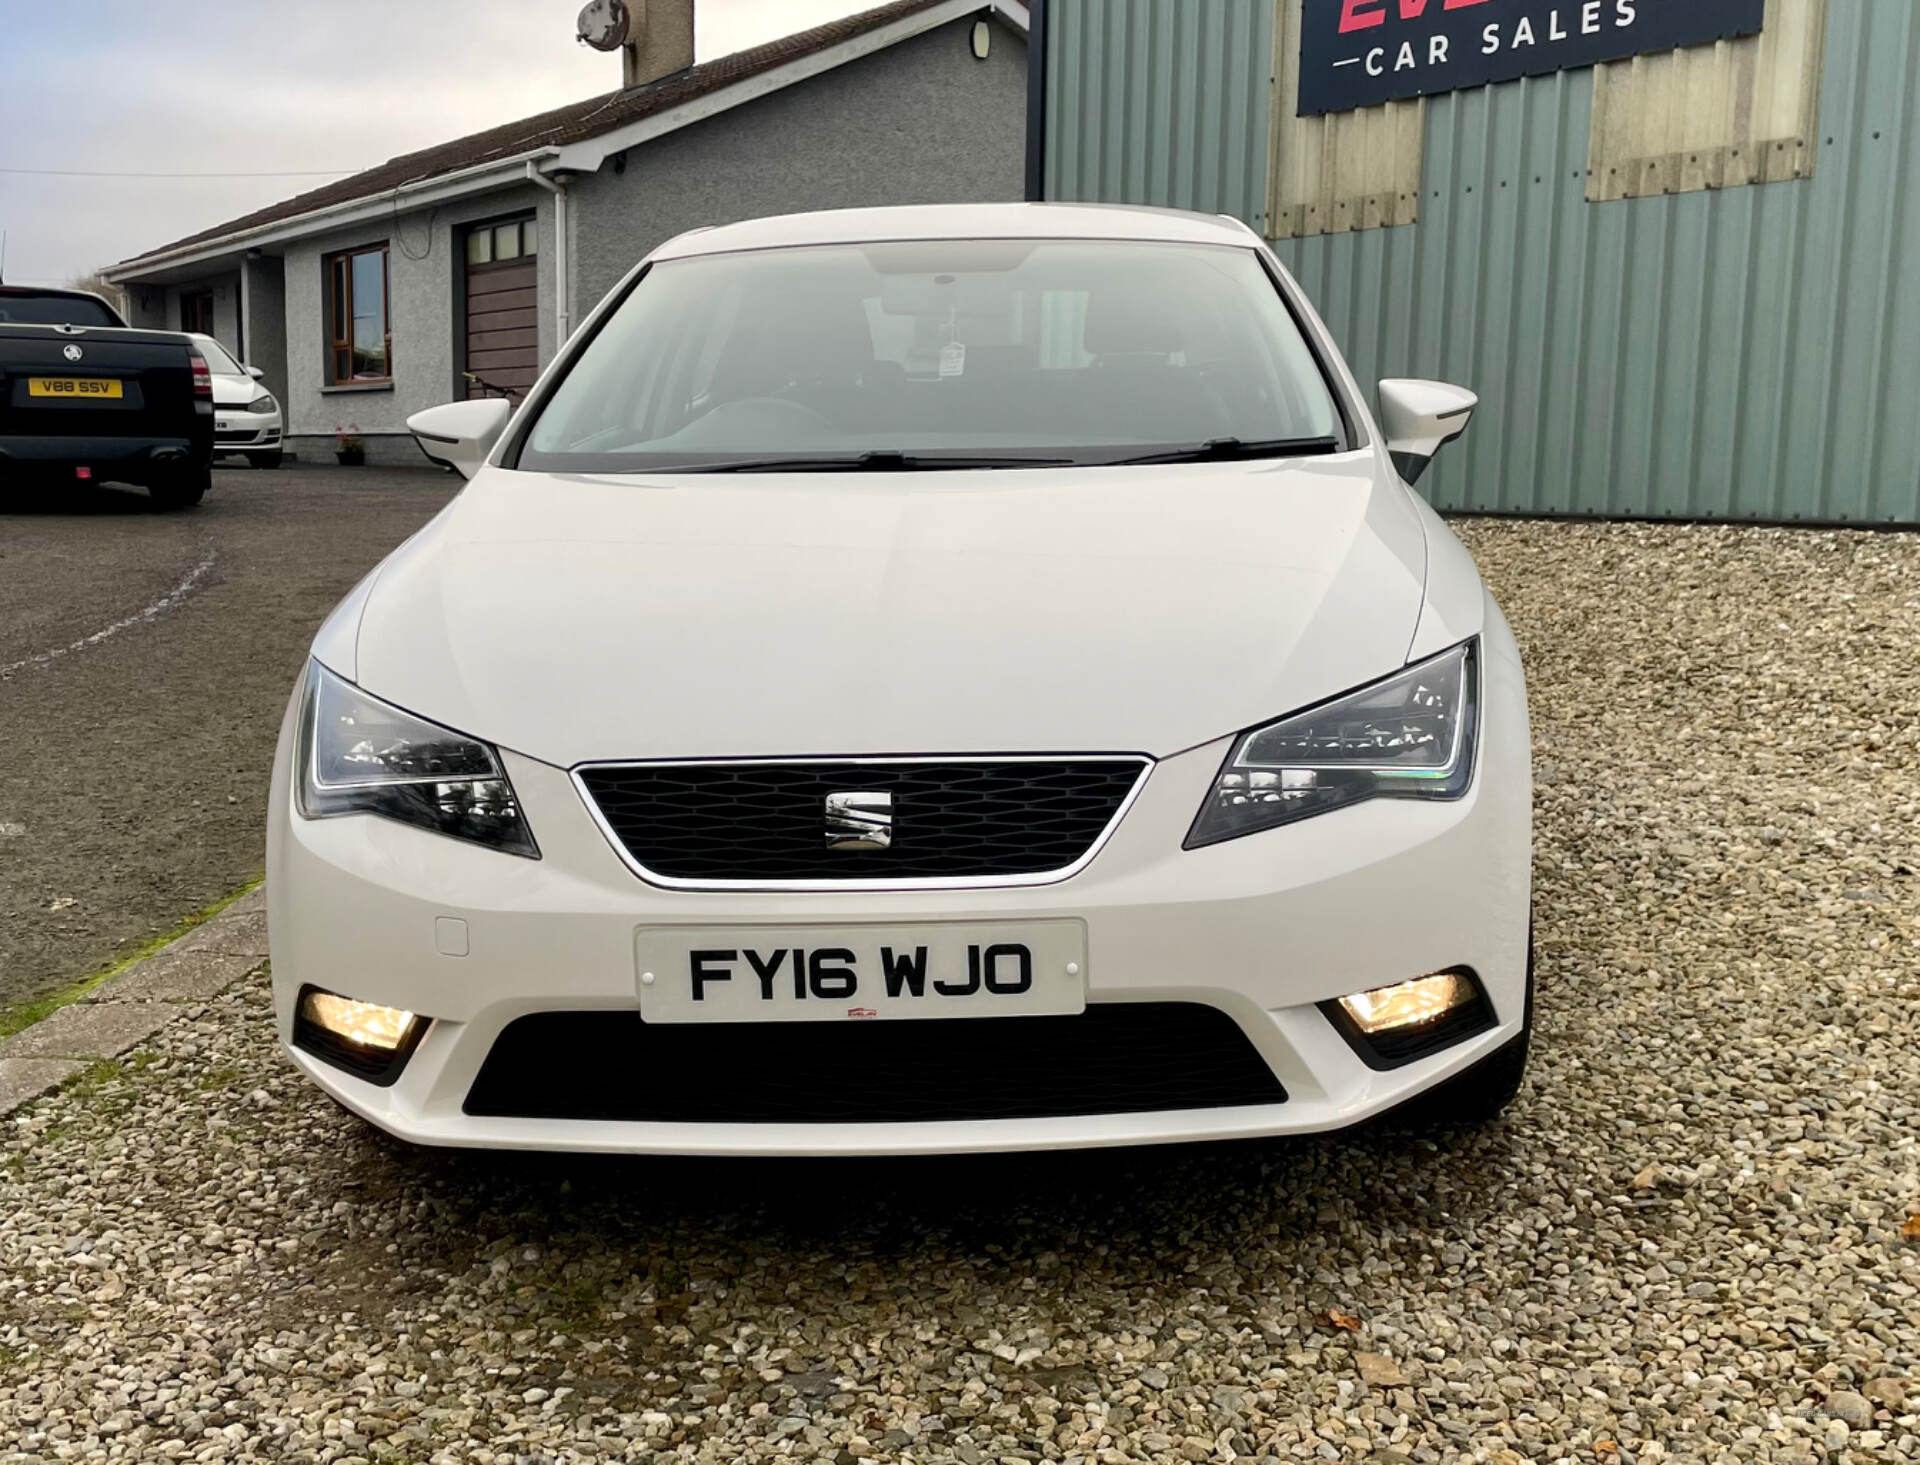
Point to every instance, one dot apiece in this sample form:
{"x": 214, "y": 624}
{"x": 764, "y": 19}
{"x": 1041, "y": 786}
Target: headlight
{"x": 263, "y": 403}
{"x": 360, "y": 756}
{"x": 1410, "y": 736}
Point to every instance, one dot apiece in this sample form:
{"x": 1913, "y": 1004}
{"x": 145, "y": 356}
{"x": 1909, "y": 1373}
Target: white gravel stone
{"x": 1685, "y": 1243}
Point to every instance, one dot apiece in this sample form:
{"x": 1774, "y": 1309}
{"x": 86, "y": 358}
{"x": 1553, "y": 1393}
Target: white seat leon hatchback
{"x": 917, "y": 680}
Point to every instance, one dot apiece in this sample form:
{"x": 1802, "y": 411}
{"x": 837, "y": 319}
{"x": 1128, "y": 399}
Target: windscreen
{"x": 1064, "y": 351}
{"x": 218, "y": 362}
{"x": 53, "y": 310}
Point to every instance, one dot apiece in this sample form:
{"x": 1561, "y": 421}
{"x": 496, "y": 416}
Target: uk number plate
{"x": 862, "y": 973}
{"x": 74, "y": 387}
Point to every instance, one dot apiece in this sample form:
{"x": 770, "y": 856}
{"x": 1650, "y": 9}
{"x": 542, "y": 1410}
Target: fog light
{"x": 367, "y": 1040}
{"x": 1424, "y": 999}
{"x": 1392, "y": 1026}
{"x": 364, "y": 1024}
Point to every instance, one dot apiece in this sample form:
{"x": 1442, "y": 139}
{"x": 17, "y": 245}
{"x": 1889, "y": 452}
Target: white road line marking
{"x": 174, "y": 597}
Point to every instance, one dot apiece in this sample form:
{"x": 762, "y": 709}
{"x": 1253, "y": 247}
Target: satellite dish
{"x": 604, "y": 24}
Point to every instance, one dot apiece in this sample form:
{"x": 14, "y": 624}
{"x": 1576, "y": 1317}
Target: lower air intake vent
{"x": 1115, "y": 1058}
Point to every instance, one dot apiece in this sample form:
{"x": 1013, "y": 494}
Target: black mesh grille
{"x": 766, "y": 821}
{"x": 1115, "y": 1058}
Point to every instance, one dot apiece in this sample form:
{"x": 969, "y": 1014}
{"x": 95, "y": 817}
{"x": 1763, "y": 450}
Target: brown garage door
{"x": 503, "y": 313}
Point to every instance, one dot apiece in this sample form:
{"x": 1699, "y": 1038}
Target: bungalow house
{"x": 458, "y": 270}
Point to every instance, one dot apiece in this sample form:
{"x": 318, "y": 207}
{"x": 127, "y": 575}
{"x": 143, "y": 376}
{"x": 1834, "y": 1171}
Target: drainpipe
{"x": 562, "y": 296}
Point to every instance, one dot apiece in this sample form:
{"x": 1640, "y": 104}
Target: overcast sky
{"x": 183, "y": 86}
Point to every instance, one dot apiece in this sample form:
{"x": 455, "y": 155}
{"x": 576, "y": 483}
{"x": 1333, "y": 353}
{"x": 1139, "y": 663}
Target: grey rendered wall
{"x": 920, "y": 122}
{"x": 263, "y": 288}
{"x": 1741, "y": 354}
{"x": 425, "y": 274}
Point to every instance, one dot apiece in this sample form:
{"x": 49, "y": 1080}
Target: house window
{"x": 196, "y": 312}
{"x": 359, "y": 327}
{"x": 497, "y": 243}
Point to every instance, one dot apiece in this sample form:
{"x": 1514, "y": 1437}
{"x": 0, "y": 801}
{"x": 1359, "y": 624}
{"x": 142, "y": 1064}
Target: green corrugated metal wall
{"x": 1751, "y": 353}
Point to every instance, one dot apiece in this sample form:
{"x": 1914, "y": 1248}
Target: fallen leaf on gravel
{"x": 1346, "y": 1322}
{"x": 1647, "y": 1178}
{"x": 1606, "y": 1449}
{"x": 1910, "y": 1228}
{"x": 1379, "y": 1370}
{"x": 61, "y": 902}
{"x": 112, "y": 1289}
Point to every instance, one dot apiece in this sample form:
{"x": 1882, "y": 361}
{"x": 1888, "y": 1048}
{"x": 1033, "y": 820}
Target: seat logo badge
{"x": 72, "y": 353}
{"x": 862, "y": 820}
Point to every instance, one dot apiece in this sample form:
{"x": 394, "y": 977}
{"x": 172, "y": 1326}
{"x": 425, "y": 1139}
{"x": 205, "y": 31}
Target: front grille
{"x": 1114, "y": 1058}
{"x": 721, "y": 823}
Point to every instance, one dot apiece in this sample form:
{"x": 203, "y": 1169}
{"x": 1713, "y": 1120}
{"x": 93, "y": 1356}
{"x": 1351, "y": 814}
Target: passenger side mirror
{"x": 1421, "y": 417}
{"x": 459, "y": 435}
{"x": 255, "y": 372}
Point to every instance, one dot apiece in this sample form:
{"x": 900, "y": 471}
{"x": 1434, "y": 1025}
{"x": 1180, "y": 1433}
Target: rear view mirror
{"x": 1421, "y": 417}
{"x": 460, "y": 435}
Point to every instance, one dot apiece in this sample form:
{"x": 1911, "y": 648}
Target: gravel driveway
{"x": 1685, "y": 1243}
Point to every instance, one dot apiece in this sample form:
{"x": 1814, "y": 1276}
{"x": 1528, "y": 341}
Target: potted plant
{"x": 348, "y": 446}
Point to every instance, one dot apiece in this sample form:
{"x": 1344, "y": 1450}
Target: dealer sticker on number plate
{"x": 862, "y": 973}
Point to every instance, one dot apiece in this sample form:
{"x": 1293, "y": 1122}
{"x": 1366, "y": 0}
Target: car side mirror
{"x": 1421, "y": 417}
{"x": 255, "y": 372}
{"x": 459, "y": 435}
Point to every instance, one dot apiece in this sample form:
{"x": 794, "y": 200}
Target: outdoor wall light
{"x": 982, "y": 40}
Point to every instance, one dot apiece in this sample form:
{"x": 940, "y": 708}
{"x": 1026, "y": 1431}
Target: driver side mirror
{"x": 460, "y": 435}
{"x": 255, "y": 372}
{"x": 1421, "y": 417}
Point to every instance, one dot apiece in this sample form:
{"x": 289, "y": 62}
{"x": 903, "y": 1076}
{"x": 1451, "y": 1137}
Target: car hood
{"x": 579, "y": 618}
{"x": 235, "y": 391}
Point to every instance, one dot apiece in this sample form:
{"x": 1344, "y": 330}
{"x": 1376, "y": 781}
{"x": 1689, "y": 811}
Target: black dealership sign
{"x": 1354, "y": 53}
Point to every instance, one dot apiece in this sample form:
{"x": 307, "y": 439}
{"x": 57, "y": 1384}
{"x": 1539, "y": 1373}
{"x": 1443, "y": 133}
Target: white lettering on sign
{"x": 1357, "y": 53}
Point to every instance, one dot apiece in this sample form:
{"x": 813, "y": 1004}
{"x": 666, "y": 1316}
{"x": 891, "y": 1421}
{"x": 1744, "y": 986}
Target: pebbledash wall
{"x": 1724, "y": 350}
{"x": 920, "y": 122}
{"x": 425, "y": 274}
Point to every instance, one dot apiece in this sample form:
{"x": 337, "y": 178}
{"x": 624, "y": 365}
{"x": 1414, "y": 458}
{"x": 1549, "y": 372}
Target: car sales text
{"x": 1559, "y": 23}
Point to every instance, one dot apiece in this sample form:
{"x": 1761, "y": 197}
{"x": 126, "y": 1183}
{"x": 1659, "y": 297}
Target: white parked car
{"x": 246, "y": 416}
{"x": 907, "y": 680}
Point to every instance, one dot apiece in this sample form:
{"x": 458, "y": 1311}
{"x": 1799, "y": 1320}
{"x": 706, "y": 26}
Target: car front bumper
{"x": 246, "y": 432}
{"x": 1263, "y": 928}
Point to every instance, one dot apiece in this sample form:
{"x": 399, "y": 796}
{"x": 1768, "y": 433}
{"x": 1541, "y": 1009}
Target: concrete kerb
{"x": 134, "y": 1004}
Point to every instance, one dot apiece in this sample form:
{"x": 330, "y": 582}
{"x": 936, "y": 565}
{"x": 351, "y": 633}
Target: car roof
{"x": 963, "y": 221}
{"x": 63, "y": 291}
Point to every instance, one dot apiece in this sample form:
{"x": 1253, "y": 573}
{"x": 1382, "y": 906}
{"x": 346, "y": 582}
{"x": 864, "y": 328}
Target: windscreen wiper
{"x": 878, "y": 461}
{"x": 1228, "y": 449}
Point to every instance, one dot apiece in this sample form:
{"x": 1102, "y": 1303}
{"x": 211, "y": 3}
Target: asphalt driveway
{"x": 145, "y": 660}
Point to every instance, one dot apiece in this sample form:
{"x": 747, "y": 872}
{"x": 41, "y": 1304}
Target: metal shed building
{"x": 1684, "y": 281}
